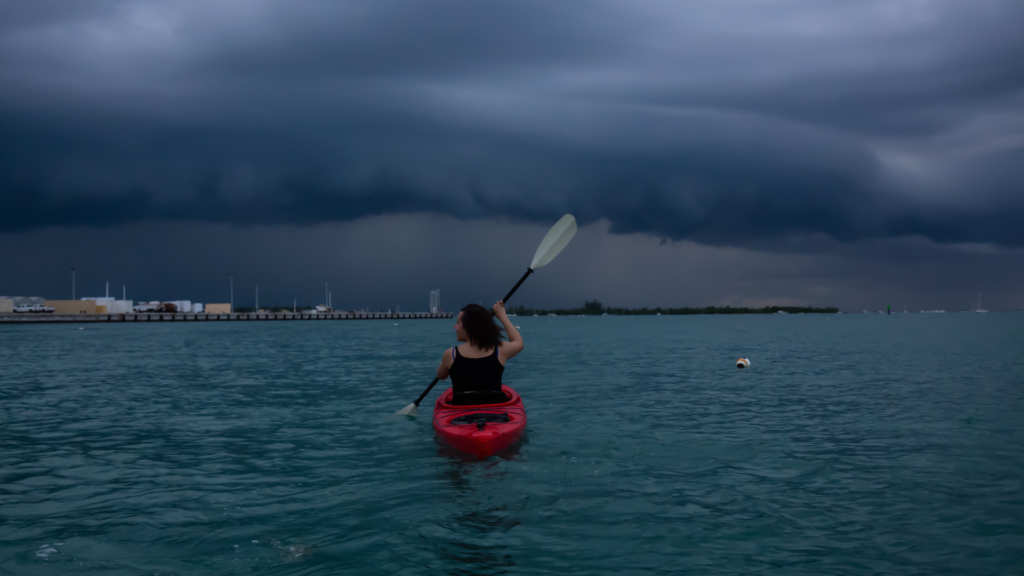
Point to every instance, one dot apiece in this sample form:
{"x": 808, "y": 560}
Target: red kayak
{"x": 480, "y": 430}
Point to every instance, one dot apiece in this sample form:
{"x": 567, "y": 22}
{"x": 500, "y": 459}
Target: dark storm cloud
{"x": 728, "y": 122}
{"x": 380, "y": 261}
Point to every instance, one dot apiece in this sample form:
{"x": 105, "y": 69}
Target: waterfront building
{"x": 28, "y": 300}
{"x": 72, "y": 306}
{"x": 108, "y": 305}
{"x": 181, "y": 305}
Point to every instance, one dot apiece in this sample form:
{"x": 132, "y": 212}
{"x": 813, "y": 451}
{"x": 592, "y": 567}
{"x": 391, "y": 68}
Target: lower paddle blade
{"x": 409, "y": 410}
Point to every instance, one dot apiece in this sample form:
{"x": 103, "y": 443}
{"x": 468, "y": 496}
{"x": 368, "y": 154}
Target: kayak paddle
{"x": 553, "y": 243}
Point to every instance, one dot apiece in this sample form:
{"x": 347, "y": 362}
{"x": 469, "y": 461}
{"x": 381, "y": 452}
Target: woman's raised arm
{"x": 515, "y": 340}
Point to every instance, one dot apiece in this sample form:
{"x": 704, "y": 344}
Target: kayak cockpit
{"x": 506, "y": 397}
{"x": 481, "y": 418}
{"x": 478, "y": 398}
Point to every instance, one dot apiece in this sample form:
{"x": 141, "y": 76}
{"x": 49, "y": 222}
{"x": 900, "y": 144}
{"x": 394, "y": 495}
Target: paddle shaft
{"x": 518, "y": 284}
{"x": 425, "y": 392}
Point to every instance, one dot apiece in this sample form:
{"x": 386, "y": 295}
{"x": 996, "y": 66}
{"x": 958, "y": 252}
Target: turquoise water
{"x": 855, "y": 444}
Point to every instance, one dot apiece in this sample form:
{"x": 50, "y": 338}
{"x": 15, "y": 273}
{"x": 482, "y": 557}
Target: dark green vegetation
{"x": 595, "y": 308}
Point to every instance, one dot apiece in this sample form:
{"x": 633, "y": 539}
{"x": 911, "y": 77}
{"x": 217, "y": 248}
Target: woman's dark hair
{"x": 480, "y": 327}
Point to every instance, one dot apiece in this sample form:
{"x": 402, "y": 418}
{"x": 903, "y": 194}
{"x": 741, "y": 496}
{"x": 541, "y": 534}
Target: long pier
{"x": 200, "y": 317}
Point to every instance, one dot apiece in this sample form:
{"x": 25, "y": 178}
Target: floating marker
{"x": 743, "y": 363}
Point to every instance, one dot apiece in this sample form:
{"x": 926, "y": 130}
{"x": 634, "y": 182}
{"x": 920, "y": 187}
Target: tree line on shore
{"x": 596, "y": 308}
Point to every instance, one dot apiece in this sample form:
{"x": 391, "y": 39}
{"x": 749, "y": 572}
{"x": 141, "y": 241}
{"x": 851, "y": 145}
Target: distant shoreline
{"x": 597, "y": 309}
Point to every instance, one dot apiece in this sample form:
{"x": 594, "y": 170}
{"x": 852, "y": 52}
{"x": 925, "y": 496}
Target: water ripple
{"x": 853, "y": 445}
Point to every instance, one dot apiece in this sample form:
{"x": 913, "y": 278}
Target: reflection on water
{"x": 473, "y": 538}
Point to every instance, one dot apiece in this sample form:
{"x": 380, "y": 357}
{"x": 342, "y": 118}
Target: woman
{"x": 476, "y": 366}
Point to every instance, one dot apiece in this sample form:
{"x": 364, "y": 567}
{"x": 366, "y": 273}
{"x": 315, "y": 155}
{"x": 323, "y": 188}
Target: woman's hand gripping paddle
{"x": 553, "y": 243}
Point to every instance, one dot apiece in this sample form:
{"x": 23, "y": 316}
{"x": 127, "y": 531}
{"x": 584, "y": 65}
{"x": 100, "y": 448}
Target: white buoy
{"x": 743, "y": 363}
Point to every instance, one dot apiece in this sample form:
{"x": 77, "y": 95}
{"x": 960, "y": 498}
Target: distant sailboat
{"x": 980, "y": 310}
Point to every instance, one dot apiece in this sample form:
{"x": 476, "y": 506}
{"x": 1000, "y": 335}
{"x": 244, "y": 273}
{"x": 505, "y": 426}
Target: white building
{"x": 113, "y": 305}
{"x": 28, "y": 301}
{"x": 181, "y": 305}
{"x": 121, "y": 307}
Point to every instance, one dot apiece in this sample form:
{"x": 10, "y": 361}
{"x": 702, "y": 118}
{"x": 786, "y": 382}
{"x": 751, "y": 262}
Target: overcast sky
{"x": 849, "y": 153}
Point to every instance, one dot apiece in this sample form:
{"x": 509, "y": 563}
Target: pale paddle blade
{"x": 409, "y": 410}
{"x": 556, "y": 239}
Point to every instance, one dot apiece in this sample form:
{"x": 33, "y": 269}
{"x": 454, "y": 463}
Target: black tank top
{"x": 476, "y": 374}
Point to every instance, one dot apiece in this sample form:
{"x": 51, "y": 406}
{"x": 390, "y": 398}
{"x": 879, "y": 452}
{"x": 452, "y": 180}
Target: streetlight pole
{"x": 72, "y": 283}
{"x": 231, "y": 278}
{"x": 327, "y": 296}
